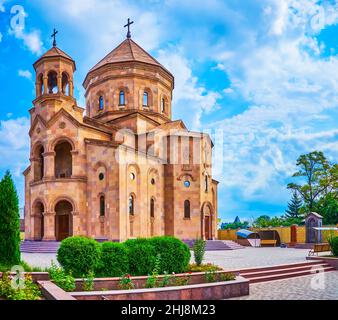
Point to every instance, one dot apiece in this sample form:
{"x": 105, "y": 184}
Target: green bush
{"x": 175, "y": 255}
{"x": 141, "y": 256}
{"x": 199, "y": 251}
{"x": 334, "y": 246}
{"x": 79, "y": 256}
{"x": 114, "y": 260}
{"x": 29, "y": 290}
{"x": 61, "y": 279}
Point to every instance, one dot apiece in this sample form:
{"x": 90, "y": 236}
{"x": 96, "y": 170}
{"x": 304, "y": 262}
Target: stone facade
{"x": 120, "y": 168}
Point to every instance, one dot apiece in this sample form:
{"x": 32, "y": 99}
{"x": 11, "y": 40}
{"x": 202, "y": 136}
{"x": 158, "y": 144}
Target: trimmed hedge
{"x": 141, "y": 255}
{"x": 334, "y": 246}
{"x": 175, "y": 255}
{"x": 79, "y": 255}
{"x": 114, "y": 260}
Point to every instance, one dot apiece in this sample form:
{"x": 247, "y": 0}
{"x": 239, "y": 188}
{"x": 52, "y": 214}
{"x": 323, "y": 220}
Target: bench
{"x": 268, "y": 242}
{"x": 317, "y": 248}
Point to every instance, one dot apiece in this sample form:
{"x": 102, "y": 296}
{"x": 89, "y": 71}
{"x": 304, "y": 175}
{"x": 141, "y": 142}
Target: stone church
{"x": 119, "y": 168}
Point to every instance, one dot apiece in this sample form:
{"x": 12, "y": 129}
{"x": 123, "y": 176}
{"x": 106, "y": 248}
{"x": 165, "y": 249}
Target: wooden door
{"x": 207, "y": 227}
{"x": 63, "y": 227}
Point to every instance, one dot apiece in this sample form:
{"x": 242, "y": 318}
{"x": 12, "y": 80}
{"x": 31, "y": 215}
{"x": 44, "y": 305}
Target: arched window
{"x": 206, "y": 182}
{"x": 52, "y": 82}
{"x": 63, "y": 160}
{"x": 122, "y": 98}
{"x": 41, "y": 85}
{"x": 186, "y": 209}
{"x": 39, "y": 165}
{"x": 102, "y": 206}
{"x": 65, "y": 84}
{"x": 101, "y": 103}
{"x": 145, "y": 99}
{"x": 152, "y": 208}
{"x": 163, "y": 105}
{"x": 131, "y": 205}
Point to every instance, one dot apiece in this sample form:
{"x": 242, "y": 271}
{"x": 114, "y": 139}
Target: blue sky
{"x": 261, "y": 74}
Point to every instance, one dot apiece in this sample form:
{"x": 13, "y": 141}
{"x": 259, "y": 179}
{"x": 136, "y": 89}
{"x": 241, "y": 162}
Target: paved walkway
{"x": 255, "y": 257}
{"x": 229, "y": 260}
{"x": 315, "y": 287}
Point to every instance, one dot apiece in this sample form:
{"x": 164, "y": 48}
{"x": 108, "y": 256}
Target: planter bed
{"x": 139, "y": 282}
{"x": 204, "y": 291}
{"x": 107, "y": 289}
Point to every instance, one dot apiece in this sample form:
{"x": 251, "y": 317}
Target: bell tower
{"x": 54, "y": 83}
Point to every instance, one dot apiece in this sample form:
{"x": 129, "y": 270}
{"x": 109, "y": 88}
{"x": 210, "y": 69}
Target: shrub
{"x": 79, "y": 255}
{"x": 334, "y": 246}
{"x": 114, "y": 260}
{"x": 141, "y": 256}
{"x": 204, "y": 268}
{"x": 88, "y": 282}
{"x": 61, "y": 279}
{"x": 9, "y": 223}
{"x": 199, "y": 251}
{"x": 29, "y": 290}
{"x": 126, "y": 283}
{"x": 175, "y": 255}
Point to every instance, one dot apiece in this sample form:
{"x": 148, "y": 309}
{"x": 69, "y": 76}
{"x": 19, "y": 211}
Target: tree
{"x": 294, "y": 206}
{"x": 327, "y": 206}
{"x": 9, "y": 222}
{"x": 315, "y": 169}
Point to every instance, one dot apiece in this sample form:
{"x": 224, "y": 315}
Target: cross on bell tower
{"x": 128, "y": 25}
{"x": 54, "y": 36}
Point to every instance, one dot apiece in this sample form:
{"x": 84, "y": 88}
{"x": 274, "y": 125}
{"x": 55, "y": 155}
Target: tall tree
{"x": 9, "y": 222}
{"x": 294, "y": 206}
{"x": 314, "y": 169}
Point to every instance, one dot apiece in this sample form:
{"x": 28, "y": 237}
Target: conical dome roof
{"x": 55, "y": 52}
{"x": 128, "y": 51}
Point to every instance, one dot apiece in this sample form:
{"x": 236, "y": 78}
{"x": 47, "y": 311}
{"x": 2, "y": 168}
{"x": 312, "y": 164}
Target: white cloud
{"x": 190, "y": 99}
{"x": 25, "y": 74}
{"x": 14, "y": 152}
{"x": 31, "y": 40}
{"x": 290, "y": 90}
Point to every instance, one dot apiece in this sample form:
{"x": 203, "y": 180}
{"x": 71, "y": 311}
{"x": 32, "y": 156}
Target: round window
{"x": 153, "y": 181}
{"x": 132, "y": 176}
{"x": 101, "y": 176}
{"x": 187, "y": 184}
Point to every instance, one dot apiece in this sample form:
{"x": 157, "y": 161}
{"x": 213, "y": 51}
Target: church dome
{"x": 128, "y": 51}
{"x": 53, "y": 53}
{"x": 129, "y": 80}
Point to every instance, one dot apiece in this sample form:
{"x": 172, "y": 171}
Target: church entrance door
{"x": 207, "y": 228}
{"x": 63, "y": 225}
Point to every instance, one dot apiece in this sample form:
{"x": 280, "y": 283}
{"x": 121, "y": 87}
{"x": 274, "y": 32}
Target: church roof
{"x": 55, "y": 52}
{"x": 128, "y": 51}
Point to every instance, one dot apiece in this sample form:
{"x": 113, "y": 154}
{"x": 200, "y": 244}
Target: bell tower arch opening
{"x": 63, "y": 160}
{"x": 52, "y": 82}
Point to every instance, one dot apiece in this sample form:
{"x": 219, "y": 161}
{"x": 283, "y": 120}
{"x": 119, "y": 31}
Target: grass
{"x": 25, "y": 266}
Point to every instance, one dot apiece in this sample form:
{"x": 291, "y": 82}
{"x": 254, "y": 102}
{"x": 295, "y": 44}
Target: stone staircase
{"x": 39, "y": 246}
{"x": 265, "y": 274}
{"x": 218, "y": 245}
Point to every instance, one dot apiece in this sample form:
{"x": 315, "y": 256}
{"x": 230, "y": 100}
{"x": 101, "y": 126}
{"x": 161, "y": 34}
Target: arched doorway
{"x": 63, "y": 220}
{"x": 207, "y": 222}
{"x": 63, "y": 160}
{"x": 39, "y": 226}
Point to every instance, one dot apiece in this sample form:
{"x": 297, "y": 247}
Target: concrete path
{"x": 255, "y": 257}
